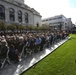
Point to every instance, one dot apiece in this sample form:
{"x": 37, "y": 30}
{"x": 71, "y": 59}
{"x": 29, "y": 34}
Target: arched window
{"x": 26, "y": 17}
{"x": 19, "y": 16}
{"x": 12, "y": 14}
{"x": 2, "y": 13}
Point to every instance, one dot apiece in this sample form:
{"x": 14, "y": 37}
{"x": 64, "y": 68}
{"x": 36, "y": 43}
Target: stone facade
{"x": 20, "y": 1}
{"x": 28, "y": 16}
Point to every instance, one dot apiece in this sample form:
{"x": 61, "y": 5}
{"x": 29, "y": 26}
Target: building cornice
{"x": 24, "y": 6}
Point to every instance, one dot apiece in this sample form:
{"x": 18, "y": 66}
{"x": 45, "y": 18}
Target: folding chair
{"x": 22, "y": 53}
{"x": 5, "y": 59}
{"x": 28, "y": 51}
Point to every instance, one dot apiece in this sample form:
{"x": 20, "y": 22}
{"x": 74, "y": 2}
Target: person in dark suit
{"x": 3, "y": 49}
{"x": 42, "y": 42}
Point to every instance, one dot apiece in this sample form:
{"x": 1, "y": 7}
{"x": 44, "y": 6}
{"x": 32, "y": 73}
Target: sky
{"x": 50, "y": 8}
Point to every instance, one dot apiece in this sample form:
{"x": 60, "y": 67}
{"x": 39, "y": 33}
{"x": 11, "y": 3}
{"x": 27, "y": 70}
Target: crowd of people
{"x": 17, "y": 45}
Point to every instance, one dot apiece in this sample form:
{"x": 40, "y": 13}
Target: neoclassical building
{"x": 15, "y": 11}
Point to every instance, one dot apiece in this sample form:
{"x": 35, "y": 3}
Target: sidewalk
{"x": 26, "y": 63}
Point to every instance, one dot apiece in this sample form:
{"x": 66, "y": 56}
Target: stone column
{"x": 23, "y": 18}
{"x": 16, "y": 16}
{"x": 7, "y": 15}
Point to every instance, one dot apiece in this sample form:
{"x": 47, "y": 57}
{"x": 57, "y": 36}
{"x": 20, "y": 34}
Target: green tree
{"x": 21, "y": 27}
{"x": 2, "y": 26}
{"x": 11, "y": 27}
